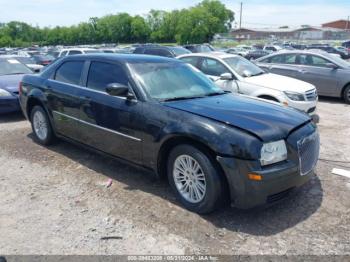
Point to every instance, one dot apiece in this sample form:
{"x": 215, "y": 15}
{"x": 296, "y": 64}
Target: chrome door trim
{"x": 100, "y": 127}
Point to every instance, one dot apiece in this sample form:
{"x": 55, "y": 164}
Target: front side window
{"x": 213, "y": 67}
{"x": 167, "y": 81}
{"x": 102, "y": 74}
{"x": 312, "y": 60}
{"x": 70, "y": 72}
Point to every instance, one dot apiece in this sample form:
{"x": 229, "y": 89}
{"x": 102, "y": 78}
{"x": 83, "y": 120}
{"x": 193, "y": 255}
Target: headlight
{"x": 273, "y": 152}
{"x": 295, "y": 96}
{"x": 4, "y": 93}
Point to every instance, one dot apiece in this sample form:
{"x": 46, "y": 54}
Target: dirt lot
{"x": 54, "y": 201}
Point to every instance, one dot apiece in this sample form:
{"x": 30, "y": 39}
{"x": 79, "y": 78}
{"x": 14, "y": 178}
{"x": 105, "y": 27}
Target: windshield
{"x": 243, "y": 67}
{"x": 173, "y": 81}
{"x": 25, "y": 60}
{"x": 13, "y": 67}
{"x": 339, "y": 61}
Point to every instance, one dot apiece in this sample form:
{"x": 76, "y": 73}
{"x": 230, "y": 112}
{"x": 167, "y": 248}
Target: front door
{"x": 313, "y": 69}
{"x": 109, "y": 123}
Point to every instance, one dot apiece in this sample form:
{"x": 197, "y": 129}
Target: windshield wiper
{"x": 258, "y": 74}
{"x": 13, "y": 74}
{"x": 180, "y": 98}
{"x": 218, "y": 93}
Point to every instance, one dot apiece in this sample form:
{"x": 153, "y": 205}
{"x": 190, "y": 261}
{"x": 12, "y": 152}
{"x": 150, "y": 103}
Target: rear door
{"x": 284, "y": 64}
{"x": 109, "y": 123}
{"x": 63, "y": 97}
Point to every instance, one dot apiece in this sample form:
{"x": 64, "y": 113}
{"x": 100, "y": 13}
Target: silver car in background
{"x": 330, "y": 74}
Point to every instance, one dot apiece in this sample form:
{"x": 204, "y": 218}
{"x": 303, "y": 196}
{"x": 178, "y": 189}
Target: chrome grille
{"x": 311, "y": 95}
{"x": 309, "y": 150}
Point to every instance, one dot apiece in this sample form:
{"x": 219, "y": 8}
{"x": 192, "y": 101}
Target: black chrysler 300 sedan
{"x": 165, "y": 116}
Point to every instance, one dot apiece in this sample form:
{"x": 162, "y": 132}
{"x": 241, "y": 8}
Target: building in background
{"x": 339, "y": 24}
{"x": 296, "y": 33}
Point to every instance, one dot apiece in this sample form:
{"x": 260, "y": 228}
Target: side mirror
{"x": 331, "y": 66}
{"x": 226, "y": 76}
{"x": 116, "y": 89}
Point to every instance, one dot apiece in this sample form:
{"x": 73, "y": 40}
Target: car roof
{"x": 308, "y": 52}
{"x": 219, "y": 55}
{"x": 126, "y": 58}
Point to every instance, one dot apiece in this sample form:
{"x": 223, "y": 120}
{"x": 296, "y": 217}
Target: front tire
{"x": 195, "y": 179}
{"x": 42, "y": 129}
{"x": 347, "y": 94}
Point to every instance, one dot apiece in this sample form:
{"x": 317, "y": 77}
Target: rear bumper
{"x": 9, "y": 105}
{"x": 277, "y": 182}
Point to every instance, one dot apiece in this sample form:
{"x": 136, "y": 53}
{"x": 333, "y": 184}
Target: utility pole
{"x": 240, "y": 16}
{"x": 347, "y": 24}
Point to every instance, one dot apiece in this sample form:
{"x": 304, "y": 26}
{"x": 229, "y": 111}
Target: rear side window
{"x": 102, "y": 74}
{"x": 190, "y": 60}
{"x": 312, "y": 60}
{"x": 70, "y": 72}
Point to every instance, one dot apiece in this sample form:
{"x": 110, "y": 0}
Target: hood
{"x": 268, "y": 121}
{"x": 10, "y": 82}
{"x": 278, "y": 82}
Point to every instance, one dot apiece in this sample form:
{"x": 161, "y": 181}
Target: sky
{"x": 256, "y": 13}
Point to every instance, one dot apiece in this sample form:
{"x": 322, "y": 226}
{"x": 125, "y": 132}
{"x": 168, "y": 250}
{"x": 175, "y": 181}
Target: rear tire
{"x": 195, "y": 179}
{"x": 347, "y": 94}
{"x": 42, "y": 129}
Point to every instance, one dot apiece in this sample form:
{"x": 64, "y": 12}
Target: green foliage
{"x": 196, "y": 24}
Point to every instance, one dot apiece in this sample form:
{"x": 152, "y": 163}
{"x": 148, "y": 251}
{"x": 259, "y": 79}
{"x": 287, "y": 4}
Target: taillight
{"x": 20, "y": 88}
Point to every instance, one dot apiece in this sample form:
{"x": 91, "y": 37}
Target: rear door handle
{"x": 302, "y": 71}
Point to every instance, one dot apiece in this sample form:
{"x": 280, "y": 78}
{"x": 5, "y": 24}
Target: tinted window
{"x": 159, "y": 52}
{"x": 103, "y": 74}
{"x": 70, "y": 72}
{"x": 278, "y": 59}
{"x": 190, "y": 60}
{"x": 213, "y": 67}
{"x": 290, "y": 59}
{"x": 313, "y": 60}
{"x": 75, "y": 52}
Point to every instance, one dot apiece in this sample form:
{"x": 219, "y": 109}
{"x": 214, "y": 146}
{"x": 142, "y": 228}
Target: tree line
{"x": 196, "y": 24}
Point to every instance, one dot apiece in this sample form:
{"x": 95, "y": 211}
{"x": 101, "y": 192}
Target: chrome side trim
{"x": 100, "y": 127}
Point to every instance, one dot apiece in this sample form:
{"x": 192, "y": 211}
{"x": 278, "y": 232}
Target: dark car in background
{"x": 166, "y": 51}
{"x": 330, "y": 49}
{"x": 330, "y": 74}
{"x": 43, "y": 60}
{"x": 11, "y": 73}
{"x": 255, "y": 54}
{"x": 167, "y": 117}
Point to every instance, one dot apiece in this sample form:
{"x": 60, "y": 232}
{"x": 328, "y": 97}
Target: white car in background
{"x": 236, "y": 74}
{"x": 77, "y": 51}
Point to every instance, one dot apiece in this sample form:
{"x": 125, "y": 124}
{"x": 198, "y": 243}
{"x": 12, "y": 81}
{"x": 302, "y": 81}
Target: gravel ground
{"x": 55, "y": 201}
